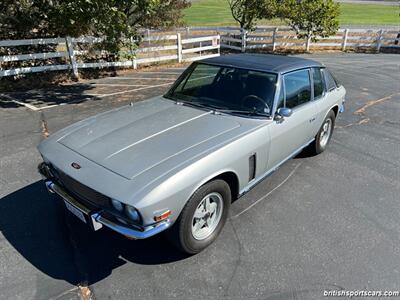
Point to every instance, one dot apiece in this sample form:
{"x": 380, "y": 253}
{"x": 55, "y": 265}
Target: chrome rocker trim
{"x": 99, "y": 220}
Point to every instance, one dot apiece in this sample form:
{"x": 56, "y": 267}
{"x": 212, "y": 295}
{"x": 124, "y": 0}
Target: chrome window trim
{"x": 280, "y": 86}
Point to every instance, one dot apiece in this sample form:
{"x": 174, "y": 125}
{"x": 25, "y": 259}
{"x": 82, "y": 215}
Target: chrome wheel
{"x": 207, "y": 216}
{"x": 325, "y": 133}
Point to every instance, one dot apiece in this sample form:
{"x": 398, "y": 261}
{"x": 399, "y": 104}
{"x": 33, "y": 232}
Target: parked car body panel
{"x": 170, "y": 182}
{"x": 155, "y": 154}
{"x": 162, "y": 135}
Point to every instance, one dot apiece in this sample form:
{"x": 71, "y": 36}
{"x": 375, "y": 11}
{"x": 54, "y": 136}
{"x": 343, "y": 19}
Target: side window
{"x": 329, "y": 80}
{"x": 318, "y": 82}
{"x": 298, "y": 88}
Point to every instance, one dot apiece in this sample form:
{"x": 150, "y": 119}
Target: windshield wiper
{"x": 200, "y": 104}
{"x": 167, "y": 96}
{"x": 244, "y": 112}
{"x": 219, "y": 108}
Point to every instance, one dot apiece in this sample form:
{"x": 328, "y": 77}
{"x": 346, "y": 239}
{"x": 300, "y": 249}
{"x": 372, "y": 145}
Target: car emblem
{"x": 75, "y": 165}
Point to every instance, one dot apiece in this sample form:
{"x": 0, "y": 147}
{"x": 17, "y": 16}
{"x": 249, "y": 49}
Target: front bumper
{"x": 97, "y": 218}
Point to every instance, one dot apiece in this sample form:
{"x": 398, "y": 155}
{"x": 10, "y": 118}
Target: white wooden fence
{"x": 183, "y": 46}
{"x": 285, "y": 38}
{"x": 154, "y": 48}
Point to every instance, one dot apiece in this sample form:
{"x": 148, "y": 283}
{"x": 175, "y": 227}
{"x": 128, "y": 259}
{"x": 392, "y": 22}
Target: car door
{"x": 290, "y": 134}
{"x": 320, "y": 96}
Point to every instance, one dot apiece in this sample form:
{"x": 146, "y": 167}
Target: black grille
{"x": 91, "y": 197}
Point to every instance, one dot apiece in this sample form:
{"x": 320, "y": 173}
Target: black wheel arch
{"x": 232, "y": 180}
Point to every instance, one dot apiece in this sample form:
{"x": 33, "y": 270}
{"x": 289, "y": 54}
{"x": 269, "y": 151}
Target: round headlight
{"x": 117, "y": 205}
{"x": 132, "y": 213}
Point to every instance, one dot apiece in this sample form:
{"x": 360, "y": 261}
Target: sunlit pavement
{"x": 318, "y": 223}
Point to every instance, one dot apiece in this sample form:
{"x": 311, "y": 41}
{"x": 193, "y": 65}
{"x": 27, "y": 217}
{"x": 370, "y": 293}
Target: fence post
{"x": 179, "y": 44}
{"x": 244, "y": 37}
{"x": 308, "y": 42}
{"x": 346, "y": 32}
{"x": 379, "y": 40}
{"x": 70, "y": 49}
{"x": 274, "y": 37}
{"x": 219, "y": 44}
{"x": 133, "y": 53}
{"x": 148, "y": 37}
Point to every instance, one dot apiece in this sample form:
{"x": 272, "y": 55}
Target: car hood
{"x": 136, "y": 138}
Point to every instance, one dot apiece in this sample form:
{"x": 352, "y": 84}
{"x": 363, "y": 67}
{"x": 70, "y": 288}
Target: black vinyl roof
{"x": 263, "y": 62}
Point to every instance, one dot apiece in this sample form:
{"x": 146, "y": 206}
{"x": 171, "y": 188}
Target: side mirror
{"x": 283, "y": 112}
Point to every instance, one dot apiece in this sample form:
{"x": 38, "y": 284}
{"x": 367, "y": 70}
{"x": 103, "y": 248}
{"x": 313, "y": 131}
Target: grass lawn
{"x": 216, "y": 12}
{"x": 369, "y": 14}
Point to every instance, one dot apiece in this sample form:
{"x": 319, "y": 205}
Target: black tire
{"x": 181, "y": 232}
{"x": 316, "y": 146}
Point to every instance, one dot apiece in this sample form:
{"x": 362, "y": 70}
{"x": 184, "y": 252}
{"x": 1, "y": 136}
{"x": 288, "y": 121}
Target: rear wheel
{"x": 324, "y": 134}
{"x": 202, "y": 218}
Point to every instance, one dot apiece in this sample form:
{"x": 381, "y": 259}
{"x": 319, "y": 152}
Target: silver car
{"x": 175, "y": 163}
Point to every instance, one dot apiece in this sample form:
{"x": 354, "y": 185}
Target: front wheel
{"x": 202, "y": 218}
{"x": 324, "y": 134}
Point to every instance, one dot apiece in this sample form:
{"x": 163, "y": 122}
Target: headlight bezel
{"x": 132, "y": 213}
{"x": 117, "y": 205}
{"x": 126, "y": 211}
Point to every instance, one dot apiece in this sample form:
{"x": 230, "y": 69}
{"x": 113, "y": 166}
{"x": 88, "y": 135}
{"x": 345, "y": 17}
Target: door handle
{"x": 312, "y": 119}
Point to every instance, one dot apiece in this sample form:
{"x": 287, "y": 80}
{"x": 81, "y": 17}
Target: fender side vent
{"x": 252, "y": 167}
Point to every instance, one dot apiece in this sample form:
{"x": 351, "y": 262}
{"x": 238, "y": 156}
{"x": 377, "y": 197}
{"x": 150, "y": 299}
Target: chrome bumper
{"x": 98, "y": 220}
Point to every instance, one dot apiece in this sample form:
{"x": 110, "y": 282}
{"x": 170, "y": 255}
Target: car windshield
{"x": 226, "y": 89}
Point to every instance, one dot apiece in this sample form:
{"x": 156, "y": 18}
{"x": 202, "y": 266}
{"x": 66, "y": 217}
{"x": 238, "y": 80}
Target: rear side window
{"x": 329, "y": 80}
{"x": 297, "y": 88}
{"x": 318, "y": 82}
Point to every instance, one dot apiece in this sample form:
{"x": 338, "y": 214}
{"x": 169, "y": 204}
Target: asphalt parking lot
{"x": 319, "y": 223}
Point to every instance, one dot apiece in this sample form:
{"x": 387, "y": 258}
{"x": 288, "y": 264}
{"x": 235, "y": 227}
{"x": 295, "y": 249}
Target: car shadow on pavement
{"x": 36, "y": 224}
{"x": 305, "y": 153}
{"x": 51, "y": 95}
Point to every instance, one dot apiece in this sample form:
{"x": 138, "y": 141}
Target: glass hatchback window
{"x": 329, "y": 80}
{"x": 226, "y": 88}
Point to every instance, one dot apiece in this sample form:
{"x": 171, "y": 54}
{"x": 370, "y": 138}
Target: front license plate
{"x": 75, "y": 211}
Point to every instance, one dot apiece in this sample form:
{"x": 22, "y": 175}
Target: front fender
{"x": 174, "y": 191}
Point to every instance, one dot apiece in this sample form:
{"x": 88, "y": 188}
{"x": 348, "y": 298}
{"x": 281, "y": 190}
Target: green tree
{"x": 114, "y": 19}
{"x": 311, "y": 18}
{"x": 247, "y": 12}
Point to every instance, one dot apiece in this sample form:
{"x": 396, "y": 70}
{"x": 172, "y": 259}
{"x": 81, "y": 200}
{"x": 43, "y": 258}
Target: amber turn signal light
{"x": 162, "y": 216}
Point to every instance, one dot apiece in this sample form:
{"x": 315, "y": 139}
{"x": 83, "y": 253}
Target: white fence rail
{"x": 184, "y": 47}
{"x": 172, "y": 47}
{"x": 284, "y": 37}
